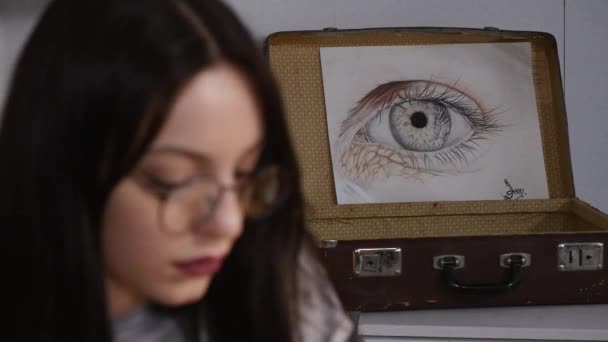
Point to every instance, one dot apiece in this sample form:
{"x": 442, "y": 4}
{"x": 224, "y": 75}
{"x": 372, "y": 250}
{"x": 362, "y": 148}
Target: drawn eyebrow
{"x": 378, "y": 97}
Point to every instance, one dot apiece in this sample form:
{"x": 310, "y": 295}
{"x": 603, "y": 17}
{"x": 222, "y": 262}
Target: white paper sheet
{"x": 458, "y": 122}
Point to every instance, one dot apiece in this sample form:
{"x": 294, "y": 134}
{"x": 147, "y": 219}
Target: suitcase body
{"x": 443, "y": 253}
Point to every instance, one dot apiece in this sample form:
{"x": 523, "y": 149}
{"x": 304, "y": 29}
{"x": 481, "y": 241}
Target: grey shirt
{"x": 148, "y": 324}
{"x": 322, "y": 318}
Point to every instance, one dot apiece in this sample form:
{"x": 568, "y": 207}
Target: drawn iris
{"x": 420, "y": 126}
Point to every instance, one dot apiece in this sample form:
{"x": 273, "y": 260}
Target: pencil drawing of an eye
{"x": 412, "y": 128}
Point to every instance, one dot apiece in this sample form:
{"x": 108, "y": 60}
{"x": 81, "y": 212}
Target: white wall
{"x": 586, "y": 57}
{"x": 267, "y": 16}
{"x": 580, "y": 27}
{"x": 16, "y": 21}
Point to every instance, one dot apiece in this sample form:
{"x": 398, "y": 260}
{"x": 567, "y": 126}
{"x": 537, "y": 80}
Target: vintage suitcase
{"x": 522, "y": 245}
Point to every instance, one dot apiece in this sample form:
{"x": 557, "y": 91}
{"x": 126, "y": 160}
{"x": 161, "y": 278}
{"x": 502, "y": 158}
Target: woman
{"x": 144, "y": 175}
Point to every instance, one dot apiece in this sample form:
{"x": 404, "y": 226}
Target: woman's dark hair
{"x": 90, "y": 92}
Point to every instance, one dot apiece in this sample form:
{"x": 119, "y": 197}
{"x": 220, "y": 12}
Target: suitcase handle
{"x": 449, "y": 263}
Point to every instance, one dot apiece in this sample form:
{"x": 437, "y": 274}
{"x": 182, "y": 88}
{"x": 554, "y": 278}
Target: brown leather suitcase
{"x": 443, "y": 253}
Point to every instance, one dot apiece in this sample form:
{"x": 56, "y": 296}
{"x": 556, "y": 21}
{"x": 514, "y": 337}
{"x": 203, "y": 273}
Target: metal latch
{"x": 377, "y": 262}
{"x": 327, "y": 243}
{"x": 455, "y": 261}
{"x": 523, "y": 259}
{"x": 582, "y": 256}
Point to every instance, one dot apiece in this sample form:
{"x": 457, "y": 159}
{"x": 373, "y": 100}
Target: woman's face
{"x": 213, "y": 133}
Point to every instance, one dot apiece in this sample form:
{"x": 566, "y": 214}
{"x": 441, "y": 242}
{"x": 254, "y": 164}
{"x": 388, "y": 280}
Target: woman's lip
{"x": 200, "y": 266}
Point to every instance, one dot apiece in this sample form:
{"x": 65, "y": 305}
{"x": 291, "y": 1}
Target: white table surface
{"x": 546, "y": 323}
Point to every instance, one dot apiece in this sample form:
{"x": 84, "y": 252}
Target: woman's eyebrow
{"x": 181, "y": 151}
{"x": 199, "y": 157}
{"x": 256, "y": 147}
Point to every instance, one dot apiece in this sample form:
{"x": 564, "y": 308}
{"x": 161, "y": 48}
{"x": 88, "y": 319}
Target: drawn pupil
{"x": 419, "y": 120}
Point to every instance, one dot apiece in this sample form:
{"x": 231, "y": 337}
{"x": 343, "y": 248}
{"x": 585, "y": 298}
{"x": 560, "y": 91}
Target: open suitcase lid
{"x": 295, "y": 58}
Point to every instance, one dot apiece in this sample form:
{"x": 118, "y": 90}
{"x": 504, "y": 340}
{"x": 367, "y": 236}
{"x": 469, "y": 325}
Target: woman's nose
{"x": 228, "y": 217}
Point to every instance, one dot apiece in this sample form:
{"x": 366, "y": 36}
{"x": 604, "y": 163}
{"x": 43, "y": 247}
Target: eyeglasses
{"x": 192, "y": 204}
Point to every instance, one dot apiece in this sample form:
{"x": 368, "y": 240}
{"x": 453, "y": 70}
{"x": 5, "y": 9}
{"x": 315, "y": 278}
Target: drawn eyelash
{"x": 408, "y": 128}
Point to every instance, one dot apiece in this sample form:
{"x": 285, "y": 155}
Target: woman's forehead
{"x": 216, "y": 115}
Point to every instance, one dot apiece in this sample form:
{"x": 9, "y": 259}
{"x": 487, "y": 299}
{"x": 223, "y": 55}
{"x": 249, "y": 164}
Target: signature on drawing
{"x": 513, "y": 193}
